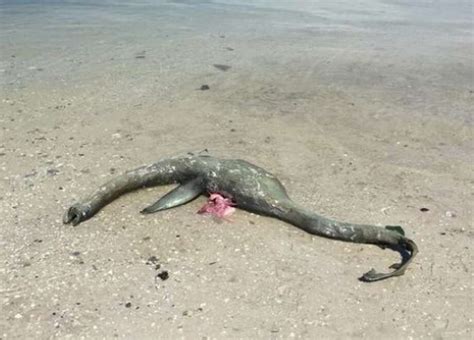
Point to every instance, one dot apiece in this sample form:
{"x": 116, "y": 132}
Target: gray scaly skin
{"x": 251, "y": 188}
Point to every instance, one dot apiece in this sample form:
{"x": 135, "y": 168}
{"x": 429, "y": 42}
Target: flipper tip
{"x": 396, "y": 228}
{"x": 145, "y": 211}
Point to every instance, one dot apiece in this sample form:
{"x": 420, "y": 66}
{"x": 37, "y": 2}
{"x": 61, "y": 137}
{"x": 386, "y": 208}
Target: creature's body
{"x": 251, "y": 188}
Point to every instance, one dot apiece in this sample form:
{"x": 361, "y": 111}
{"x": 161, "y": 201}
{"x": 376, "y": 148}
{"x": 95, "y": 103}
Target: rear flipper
{"x": 182, "y": 194}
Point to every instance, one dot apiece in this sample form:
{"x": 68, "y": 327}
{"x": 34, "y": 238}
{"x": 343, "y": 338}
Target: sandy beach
{"x": 363, "y": 109}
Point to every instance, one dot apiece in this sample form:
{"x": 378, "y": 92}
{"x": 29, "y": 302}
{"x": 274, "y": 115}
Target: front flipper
{"x": 182, "y": 194}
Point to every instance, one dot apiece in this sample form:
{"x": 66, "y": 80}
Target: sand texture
{"x": 363, "y": 109}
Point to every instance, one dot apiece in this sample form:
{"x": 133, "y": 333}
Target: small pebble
{"x": 450, "y": 214}
{"x": 163, "y": 275}
{"x": 52, "y": 172}
{"x": 153, "y": 259}
{"x": 222, "y": 67}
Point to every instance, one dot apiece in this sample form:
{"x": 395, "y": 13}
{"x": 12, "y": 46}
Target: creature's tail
{"x": 160, "y": 173}
{"x": 390, "y": 236}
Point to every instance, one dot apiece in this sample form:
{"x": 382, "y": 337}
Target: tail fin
{"x": 390, "y": 236}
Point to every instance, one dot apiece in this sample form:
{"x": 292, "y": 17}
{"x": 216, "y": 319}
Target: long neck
{"x": 163, "y": 172}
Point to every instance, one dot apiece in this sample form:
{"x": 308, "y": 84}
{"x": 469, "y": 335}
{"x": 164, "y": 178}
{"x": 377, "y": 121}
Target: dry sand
{"x": 362, "y": 108}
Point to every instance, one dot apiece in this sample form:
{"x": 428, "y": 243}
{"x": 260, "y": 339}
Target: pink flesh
{"x": 218, "y": 205}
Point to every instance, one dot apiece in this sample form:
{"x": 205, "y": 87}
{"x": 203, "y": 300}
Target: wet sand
{"x": 363, "y": 110}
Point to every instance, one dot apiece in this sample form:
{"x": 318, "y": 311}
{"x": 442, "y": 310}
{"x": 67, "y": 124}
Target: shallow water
{"x": 395, "y": 44}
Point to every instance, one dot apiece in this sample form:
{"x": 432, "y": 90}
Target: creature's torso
{"x": 250, "y": 186}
